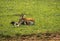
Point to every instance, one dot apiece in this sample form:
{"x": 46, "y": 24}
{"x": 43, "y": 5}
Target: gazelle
{"x": 24, "y": 21}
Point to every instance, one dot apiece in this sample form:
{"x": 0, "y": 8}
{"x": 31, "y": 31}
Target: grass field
{"x": 45, "y": 12}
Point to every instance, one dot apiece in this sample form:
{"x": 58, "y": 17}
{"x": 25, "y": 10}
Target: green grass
{"x": 45, "y": 12}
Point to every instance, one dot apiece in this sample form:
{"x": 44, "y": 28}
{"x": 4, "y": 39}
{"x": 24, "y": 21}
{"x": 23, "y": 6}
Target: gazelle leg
{"x": 24, "y": 23}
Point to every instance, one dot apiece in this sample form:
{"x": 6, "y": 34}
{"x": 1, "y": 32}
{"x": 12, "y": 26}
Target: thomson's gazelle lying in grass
{"x": 24, "y": 21}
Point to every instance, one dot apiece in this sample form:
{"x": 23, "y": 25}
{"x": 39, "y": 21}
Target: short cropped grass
{"x": 45, "y": 12}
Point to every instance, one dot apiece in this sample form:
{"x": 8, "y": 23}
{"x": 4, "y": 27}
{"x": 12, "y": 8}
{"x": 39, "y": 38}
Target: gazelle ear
{"x": 24, "y": 16}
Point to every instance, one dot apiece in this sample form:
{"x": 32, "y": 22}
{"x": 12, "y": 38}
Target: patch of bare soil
{"x": 34, "y": 37}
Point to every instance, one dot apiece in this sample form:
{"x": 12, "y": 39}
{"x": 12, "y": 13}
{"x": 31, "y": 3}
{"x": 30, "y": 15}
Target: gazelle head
{"x": 22, "y": 16}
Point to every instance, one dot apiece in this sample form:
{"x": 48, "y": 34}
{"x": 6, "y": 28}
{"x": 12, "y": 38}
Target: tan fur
{"x": 28, "y": 19}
